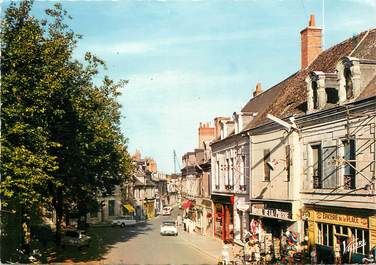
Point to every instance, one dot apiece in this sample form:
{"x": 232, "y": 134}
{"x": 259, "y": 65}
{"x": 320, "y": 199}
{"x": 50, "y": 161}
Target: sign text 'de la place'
{"x": 343, "y": 219}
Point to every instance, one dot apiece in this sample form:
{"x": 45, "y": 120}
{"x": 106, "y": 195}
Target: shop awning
{"x": 186, "y": 204}
{"x": 129, "y": 207}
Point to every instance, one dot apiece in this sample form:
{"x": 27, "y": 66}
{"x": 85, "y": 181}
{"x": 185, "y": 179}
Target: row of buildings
{"x": 297, "y": 162}
{"x": 143, "y": 195}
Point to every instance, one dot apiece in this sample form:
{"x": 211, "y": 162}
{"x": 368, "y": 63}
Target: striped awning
{"x": 129, "y": 207}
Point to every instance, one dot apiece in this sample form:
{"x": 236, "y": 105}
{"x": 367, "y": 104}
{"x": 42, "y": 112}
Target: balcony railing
{"x": 317, "y": 183}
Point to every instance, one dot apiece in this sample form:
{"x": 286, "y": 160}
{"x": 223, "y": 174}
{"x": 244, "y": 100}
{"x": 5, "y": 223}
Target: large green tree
{"x": 61, "y": 143}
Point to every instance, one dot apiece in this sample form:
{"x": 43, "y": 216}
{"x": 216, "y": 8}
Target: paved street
{"x": 144, "y": 245}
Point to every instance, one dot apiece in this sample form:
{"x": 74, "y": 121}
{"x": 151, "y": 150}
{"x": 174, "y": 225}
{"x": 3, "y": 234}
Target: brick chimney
{"x": 205, "y": 134}
{"x": 258, "y": 90}
{"x": 310, "y": 43}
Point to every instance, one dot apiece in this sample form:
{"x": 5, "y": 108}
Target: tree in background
{"x": 61, "y": 143}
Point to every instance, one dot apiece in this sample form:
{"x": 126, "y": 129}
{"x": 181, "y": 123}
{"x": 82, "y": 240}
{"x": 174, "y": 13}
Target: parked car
{"x": 169, "y": 228}
{"x": 75, "y": 238}
{"x": 166, "y": 210}
{"x": 124, "y": 221}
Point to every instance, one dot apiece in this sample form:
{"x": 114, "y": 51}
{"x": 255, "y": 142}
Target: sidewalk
{"x": 206, "y": 244}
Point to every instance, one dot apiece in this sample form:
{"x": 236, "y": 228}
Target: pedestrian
{"x": 179, "y": 219}
{"x": 314, "y": 256}
{"x": 337, "y": 252}
{"x": 246, "y": 250}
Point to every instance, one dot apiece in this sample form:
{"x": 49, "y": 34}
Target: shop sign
{"x": 342, "y": 219}
{"x": 271, "y": 212}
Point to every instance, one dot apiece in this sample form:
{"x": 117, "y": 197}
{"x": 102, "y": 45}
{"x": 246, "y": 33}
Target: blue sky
{"x": 190, "y": 61}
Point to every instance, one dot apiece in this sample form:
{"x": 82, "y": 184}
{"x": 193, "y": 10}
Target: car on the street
{"x": 75, "y": 238}
{"x": 124, "y": 221}
{"x": 166, "y": 210}
{"x": 169, "y": 228}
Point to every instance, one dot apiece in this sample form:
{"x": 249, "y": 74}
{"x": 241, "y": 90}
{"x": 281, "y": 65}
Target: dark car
{"x": 75, "y": 238}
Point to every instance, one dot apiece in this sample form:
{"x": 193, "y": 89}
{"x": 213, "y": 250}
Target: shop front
{"x": 149, "y": 207}
{"x": 273, "y": 233}
{"x": 223, "y": 226}
{"x": 348, "y": 235}
{"x": 204, "y": 216}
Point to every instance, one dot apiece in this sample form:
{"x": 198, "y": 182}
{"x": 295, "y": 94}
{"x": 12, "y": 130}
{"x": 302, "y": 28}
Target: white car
{"x": 166, "y": 210}
{"x": 124, "y": 221}
{"x": 169, "y": 228}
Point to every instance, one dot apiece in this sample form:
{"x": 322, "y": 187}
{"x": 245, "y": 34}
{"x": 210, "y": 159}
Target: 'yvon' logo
{"x": 352, "y": 246}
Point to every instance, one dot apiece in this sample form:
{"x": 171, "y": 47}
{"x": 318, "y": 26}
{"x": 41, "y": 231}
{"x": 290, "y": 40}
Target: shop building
{"x": 311, "y": 154}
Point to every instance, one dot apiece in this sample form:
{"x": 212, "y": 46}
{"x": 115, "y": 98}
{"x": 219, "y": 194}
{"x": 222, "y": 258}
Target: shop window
{"x": 218, "y": 220}
{"x": 266, "y": 166}
{"x": 349, "y": 167}
{"x": 315, "y": 95}
{"x": 329, "y": 154}
{"x": 316, "y": 166}
{"x": 332, "y": 95}
{"x": 348, "y": 83}
{"x": 325, "y": 234}
{"x": 111, "y": 208}
{"x": 359, "y": 241}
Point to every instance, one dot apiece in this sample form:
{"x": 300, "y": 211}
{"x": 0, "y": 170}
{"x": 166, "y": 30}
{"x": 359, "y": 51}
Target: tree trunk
{"x": 59, "y": 215}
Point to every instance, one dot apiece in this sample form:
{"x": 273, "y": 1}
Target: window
{"x": 316, "y": 166}
{"x": 232, "y": 172}
{"x": 287, "y": 162}
{"x": 217, "y": 175}
{"x": 349, "y": 167}
{"x": 242, "y": 172}
{"x": 266, "y": 166}
{"x": 348, "y": 83}
{"x": 329, "y": 180}
{"x": 332, "y": 95}
{"x": 227, "y": 173}
{"x": 111, "y": 208}
{"x": 315, "y": 95}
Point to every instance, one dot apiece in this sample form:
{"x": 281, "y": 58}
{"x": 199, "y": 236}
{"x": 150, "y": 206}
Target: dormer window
{"x": 349, "y": 76}
{"x": 331, "y": 95}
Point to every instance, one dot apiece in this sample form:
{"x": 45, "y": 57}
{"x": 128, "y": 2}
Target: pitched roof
{"x": 290, "y": 95}
{"x": 370, "y": 90}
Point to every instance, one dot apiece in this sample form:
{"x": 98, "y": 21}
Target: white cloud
{"x": 138, "y": 47}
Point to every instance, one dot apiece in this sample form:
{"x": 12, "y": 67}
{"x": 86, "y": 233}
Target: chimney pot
{"x": 312, "y": 21}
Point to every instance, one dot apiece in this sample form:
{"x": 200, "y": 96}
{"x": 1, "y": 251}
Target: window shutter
{"x": 329, "y": 167}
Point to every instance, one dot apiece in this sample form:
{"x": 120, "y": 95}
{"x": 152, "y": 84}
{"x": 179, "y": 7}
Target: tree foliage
{"x": 61, "y": 142}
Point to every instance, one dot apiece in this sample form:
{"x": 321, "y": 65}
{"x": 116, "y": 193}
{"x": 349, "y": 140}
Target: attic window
{"x": 315, "y": 95}
{"x": 332, "y": 95}
{"x": 348, "y": 83}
